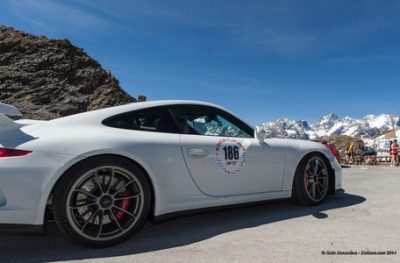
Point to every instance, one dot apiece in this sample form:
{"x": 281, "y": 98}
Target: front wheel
{"x": 102, "y": 201}
{"x": 311, "y": 181}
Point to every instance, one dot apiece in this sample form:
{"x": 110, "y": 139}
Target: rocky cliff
{"x": 48, "y": 78}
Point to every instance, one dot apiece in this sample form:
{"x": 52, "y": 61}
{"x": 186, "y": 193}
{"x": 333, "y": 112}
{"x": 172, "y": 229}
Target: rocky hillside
{"x": 369, "y": 126}
{"x": 48, "y": 78}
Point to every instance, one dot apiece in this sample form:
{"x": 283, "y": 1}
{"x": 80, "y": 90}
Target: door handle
{"x": 197, "y": 153}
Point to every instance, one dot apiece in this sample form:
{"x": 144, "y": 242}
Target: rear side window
{"x": 156, "y": 119}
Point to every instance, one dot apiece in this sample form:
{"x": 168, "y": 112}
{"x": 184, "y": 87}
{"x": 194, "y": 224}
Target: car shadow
{"x": 173, "y": 233}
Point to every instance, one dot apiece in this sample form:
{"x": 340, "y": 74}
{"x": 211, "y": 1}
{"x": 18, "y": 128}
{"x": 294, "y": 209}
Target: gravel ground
{"x": 364, "y": 219}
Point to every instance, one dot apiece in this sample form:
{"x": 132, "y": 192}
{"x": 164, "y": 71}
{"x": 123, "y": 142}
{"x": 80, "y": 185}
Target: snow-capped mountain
{"x": 285, "y": 128}
{"x": 367, "y": 127}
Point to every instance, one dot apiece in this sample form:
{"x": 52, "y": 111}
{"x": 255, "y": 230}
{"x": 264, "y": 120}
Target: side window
{"x": 147, "y": 121}
{"x": 208, "y": 121}
{"x": 156, "y": 119}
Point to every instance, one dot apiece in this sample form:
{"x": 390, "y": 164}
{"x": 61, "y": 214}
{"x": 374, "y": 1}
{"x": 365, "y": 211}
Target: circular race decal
{"x": 230, "y": 156}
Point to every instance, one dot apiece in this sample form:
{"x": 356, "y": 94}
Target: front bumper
{"x": 338, "y": 173}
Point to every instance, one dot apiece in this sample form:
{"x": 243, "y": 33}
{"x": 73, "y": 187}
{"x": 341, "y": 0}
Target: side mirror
{"x": 260, "y": 133}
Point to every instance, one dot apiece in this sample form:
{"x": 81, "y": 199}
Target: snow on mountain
{"x": 367, "y": 127}
{"x": 285, "y": 128}
{"x": 380, "y": 121}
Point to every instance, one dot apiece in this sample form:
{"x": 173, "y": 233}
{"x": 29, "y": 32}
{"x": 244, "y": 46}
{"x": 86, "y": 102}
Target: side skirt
{"x": 169, "y": 216}
{"x": 16, "y": 228}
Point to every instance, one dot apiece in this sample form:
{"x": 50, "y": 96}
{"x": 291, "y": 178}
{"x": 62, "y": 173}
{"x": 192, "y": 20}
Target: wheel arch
{"x": 77, "y": 161}
{"x": 332, "y": 179}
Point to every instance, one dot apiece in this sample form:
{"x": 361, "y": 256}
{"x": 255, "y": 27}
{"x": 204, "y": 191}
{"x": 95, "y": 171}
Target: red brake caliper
{"x": 125, "y": 203}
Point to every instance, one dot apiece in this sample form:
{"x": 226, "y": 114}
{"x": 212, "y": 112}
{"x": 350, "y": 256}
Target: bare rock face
{"x": 47, "y": 78}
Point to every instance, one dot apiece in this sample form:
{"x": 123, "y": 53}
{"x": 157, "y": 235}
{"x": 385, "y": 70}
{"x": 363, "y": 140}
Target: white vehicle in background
{"x": 103, "y": 173}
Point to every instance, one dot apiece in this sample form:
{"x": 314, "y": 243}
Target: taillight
{"x": 4, "y": 152}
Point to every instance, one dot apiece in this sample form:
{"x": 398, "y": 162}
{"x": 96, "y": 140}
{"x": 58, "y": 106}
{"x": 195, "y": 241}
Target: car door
{"x": 222, "y": 155}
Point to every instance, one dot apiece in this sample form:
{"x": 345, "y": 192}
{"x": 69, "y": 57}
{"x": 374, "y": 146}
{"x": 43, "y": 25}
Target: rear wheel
{"x": 102, "y": 201}
{"x": 311, "y": 181}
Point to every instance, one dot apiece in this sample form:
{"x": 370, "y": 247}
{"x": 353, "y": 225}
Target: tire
{"x": 311, "y": 180}
{"x": 102, "y": 201}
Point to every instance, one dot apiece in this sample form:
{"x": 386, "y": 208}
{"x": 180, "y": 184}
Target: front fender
{"x": 296, "y": 151}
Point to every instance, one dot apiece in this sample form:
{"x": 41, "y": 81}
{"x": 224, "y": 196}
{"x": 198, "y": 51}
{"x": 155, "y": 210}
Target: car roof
{"x": 95, "y": 117}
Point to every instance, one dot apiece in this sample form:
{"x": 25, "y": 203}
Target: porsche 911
{"x": 102, "y": 174}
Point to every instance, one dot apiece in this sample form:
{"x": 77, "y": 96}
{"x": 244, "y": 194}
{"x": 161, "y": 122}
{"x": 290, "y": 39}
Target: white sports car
{"x": 102, "y": 174}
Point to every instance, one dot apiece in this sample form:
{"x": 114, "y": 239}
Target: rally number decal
{"x": 230, "y": 156}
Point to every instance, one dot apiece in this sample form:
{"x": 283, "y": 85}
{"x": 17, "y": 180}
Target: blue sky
{"x": 264, "y": 60}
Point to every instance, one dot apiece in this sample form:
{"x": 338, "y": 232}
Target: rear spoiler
{"x": 5, "y": 122}
{"x": 9, "y": 110}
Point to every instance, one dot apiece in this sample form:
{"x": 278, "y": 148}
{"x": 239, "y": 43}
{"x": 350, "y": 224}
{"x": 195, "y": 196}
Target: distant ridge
{"x": 369, "y": 126}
